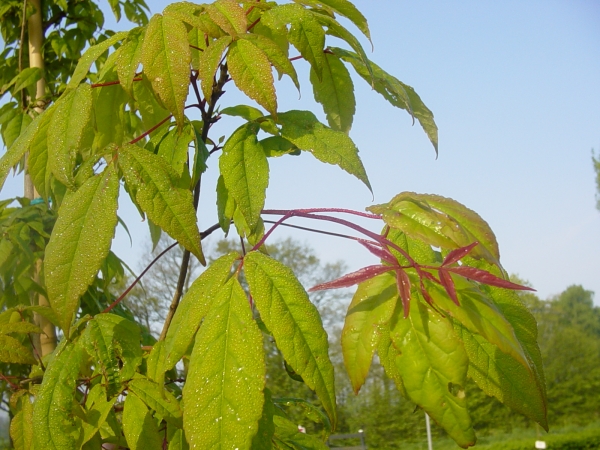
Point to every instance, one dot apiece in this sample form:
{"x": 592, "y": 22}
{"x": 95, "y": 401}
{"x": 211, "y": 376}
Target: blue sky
{"x": 515, "y": 90}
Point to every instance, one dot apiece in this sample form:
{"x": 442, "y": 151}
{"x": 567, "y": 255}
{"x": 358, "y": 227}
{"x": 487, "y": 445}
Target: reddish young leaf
{"x": 458, "y": 254}
{"x": 485, "y": 277}
{"x": 352, "y": 278}
{"x": 426, "y": 295}
{"x": 381, "y": 253}
{"x": 403, "y": 283}
{"x": 448, "y": 283}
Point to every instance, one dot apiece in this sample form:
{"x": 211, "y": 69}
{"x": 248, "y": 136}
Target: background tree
{"x": 596, "y": 163}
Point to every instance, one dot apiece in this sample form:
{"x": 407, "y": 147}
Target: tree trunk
{"x": 47, "y": 340}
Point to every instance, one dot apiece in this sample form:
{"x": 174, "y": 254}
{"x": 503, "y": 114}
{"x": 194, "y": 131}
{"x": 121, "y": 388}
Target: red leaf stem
{"x": 403, "y": 284}
{"x": 458, "y": 254}
{"x": 350, "y": 279}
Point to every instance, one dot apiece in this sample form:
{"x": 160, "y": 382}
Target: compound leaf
{"x": 295, "y": 323}
{"x": 223, "y": 396}
{"x": 80, "y": 242}
{"x": 158, "y": 399}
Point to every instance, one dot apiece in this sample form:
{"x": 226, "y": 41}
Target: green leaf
{"x": 193, "y": 308}
{"x": 26, "y": 78}
{"x": 266, "y": 428}
{"x": 129, "y": 59}
{"x": 244, "y": 111}
{"x": 225, "y": 205}
{"x": 12, "y": 351}
{"x": 20, "y": 327}
{"x": 150, "y": 109}
{"x": 327, "y": 145}
{"x": 91, "y": 55}
{"x": 335, "y": 91}
{"x": 139, "y": 427}
{"x": 66, "y": 132}
{"x": 166, "y": 59}
{"x": 38, "y": 166}
{"x": 53, "y": 422}
{"x": 154, "y": 185}
{"x": 209, "y": 62}
{"x": 109, "y": 115}
{"x": 295, "y": 323}
{"x": 245, "y": 172}
{"x": 21, "y": 431}
{"x": 500, "y": 375}
{"x": 433, "y": 364}
{"x": 229, "y": 15}
{"x": 344, "y": 8}
{"x": 158, "y": 399}
{"x": 441, "y": 222}
{"x": 306, "y": 34}
{"x": 393, "y": 90}
{"x": 368, "y": 315}
{"x": 174, "y": 147}
{"x": 15, "y": 127}
{"x": 250, "y": 69}
{"x": 16, "y": 151}
{"x": 194, "y": 15}
{"x": 275, "y": 146}
{"x": 80, "y": 242}
{"x": 97, "y": 410}
{"x": 479, "y": 315}
{"x": 223, "y": 396}
{"x": 275, "y": 54}
{"x": 114, "y": 343}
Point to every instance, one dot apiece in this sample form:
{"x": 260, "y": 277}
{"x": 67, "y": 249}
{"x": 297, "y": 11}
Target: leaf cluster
{"x": 128, "y": 124}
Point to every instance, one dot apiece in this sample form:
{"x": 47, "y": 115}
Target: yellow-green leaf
{"x": 251, "y": 71}
{"x": 193, "y": 308}
{"x": 129, "y": 59}
{"x": 166, "y": 59}
{"x": 333, "y": 147}
{"x": 66, "y": 132}
{"x": 16, "y": 151}
{"x": 229, "y": 15}
{"x": 53, "y": 421}
{"x": 295, "y": 323}
{"x": 275, "y": 54}
{"x": 158, "y": 399}
{"x": 305, "y": 33}
{"x": 393, "y": 90}
{"x": 368, "y": 315}
{"x": 433, "y": 364}
{"x": 245, "y": 172}
{"x": 139, "y": 427}
{"x": 12, "y": 351}
{"x": 80, "y": 242}
{"x": 21, "y": 430}
{"x": 344, "y": 8}
{"x": 222, "y": 397}
{"x": 91, "y": 55}
{"x": 39, "y": 168}
{"x": 154, "y": 186}
{"x": 335, "y": 91}
{"x": 209, "y": 62}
